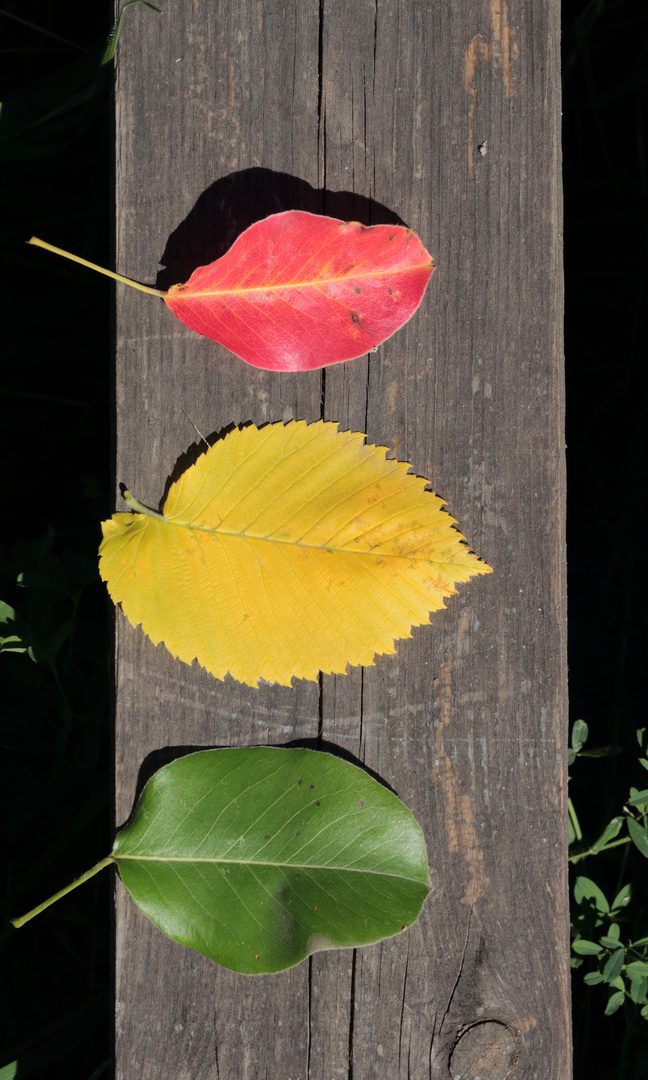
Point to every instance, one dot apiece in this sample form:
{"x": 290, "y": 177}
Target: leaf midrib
{"x": 260, "y": 862}
{"x": 216, "y": 531}
{"x": 187, "y": 294}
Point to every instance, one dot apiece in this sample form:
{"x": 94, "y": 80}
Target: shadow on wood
{"x": 232, "y": 204}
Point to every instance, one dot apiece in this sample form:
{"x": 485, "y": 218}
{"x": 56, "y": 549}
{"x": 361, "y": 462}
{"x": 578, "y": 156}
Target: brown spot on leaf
{"x": 356, "y": 289}
{"x": 355, "y": 317}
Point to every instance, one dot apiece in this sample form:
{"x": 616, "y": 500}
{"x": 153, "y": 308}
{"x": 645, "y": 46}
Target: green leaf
{"x": 614, "y": 932}
{"x": 579, "y": 734}
{"x": 638, "y": 835}
{"x": 258, "y": 857}
{"x": 14, "y": 636}
{"x": 614, "y": 1003}
{"x": 613, "y": 967}
{"x": 644, "y": 1012}
{"x": 610, "y": 831}
{"x": 639, "y": 798}
{"x": 638, "y": 986}
{"x": 586, "y": 889}
{"x": 622, "y": 898}
{"x": 593, "y": 978}
{"x": 610, "y": 942}
{"x": 586, "y": 948}
{"x": 637, "y": 968}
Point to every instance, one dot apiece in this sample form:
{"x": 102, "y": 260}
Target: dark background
{"x": 55, "y": 389}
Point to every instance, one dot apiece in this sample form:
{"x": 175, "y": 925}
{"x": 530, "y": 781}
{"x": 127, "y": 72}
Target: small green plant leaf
{"x": 638, "y": 835}
{"x": 258, "y": 857}
{"x": 609, "y": 833}
{"x": 579, "y": 734}
{"x": 612, "y": 968}
{"x": 614, "y": 1003}
{"x": 13, "y": 635}
{"x": 639, "y": 798}
{"x": 622, "y": 898}
{"x": 638, "y": 987}
{"x": 586, "y": 948}
{"x": 593, "y": 978}
{"x": 586, "y": 889}
{"x": 637, "y": 968}
{"x": 610, "y": 942}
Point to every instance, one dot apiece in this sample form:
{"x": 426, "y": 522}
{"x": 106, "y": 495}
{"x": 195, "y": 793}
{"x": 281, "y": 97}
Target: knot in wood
{"x": 485, "y": 1050}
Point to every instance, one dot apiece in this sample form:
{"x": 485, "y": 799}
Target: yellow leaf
{"x": 284, "y": 551}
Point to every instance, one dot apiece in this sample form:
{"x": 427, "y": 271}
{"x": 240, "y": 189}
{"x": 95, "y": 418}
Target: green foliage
{"x": 53, "y": 643}
{"x": 600, "y": 928}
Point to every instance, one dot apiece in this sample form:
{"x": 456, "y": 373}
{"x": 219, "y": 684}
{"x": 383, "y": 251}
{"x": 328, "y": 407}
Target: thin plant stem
{"x": 22, "y": 919}
{"x": 613, "y": 843}
{"x": 135, "y": 505}
{"x": 93, "y": 266}
{"x": 574, "y": 820}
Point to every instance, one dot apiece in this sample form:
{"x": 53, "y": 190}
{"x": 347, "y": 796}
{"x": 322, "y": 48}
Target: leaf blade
{"x": 298, "y": 291}
{"x": 284, "y": 551}
{"x": 259, "y": 857}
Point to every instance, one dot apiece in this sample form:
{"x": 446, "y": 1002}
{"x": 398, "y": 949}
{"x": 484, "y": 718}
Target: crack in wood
{"x": 402, "y": 1013}
{"x": 351, "y": 1015}
{"x": 459, "y": 973}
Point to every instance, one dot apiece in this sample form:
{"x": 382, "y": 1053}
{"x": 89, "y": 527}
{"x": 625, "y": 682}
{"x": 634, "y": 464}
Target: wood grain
{"x": 445, "y": 116}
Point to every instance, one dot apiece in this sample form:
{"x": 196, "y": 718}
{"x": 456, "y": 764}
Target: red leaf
{"x": 298, "y": 291}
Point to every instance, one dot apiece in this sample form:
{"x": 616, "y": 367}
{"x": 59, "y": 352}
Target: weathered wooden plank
{"x": 447, "y": 115}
